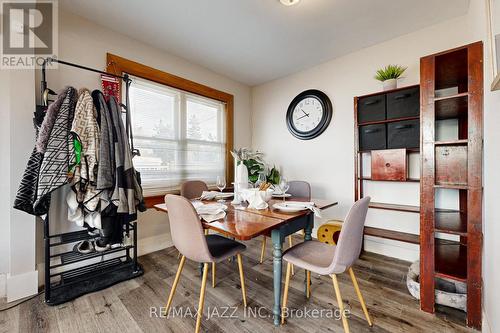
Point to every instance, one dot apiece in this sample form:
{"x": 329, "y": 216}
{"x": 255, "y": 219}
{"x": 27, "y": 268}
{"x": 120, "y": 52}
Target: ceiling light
{"x": 289, "y": 2}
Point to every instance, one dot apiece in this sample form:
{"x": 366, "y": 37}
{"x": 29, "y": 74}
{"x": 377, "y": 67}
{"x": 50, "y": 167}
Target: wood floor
{"x": 126, "y": 307}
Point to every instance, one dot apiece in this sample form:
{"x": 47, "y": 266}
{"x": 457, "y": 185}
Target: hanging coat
{"x": 86, "y": 131}
{"x": 59, "y": 156}
{"x": 127, "y": 193}
{"x": 26, "y": 194}
{"x": 106, "y": 170}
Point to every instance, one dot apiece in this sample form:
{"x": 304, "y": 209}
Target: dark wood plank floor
{"x": 126, "y": 307}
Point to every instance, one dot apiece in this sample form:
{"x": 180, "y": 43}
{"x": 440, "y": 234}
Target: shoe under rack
{"x": 71, "y": 274}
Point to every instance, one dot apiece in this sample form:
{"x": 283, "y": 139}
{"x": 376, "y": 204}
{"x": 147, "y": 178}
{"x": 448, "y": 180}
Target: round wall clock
{"x": 309, "y": 114}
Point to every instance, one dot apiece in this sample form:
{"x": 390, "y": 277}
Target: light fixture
{"x": 289, "y": 2}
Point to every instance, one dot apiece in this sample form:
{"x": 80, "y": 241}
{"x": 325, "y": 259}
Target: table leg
{"x": 277, "y": 252}
{"x": 308, "y": 237}
{"x": 200, "y": 268}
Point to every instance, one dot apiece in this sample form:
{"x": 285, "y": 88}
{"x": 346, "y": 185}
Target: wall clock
{"x": 309, "y": 114}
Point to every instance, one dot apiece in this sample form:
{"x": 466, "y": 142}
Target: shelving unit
{"x": 401, "y": 100}
{"x": 452, "y": 88}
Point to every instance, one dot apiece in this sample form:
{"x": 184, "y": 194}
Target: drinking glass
{"x": 221, "y": 185}
{"x": 284, "y": 186}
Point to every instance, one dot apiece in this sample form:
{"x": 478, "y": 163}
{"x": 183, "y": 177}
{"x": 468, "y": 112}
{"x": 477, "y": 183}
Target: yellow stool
{"x": 329, "y": 232}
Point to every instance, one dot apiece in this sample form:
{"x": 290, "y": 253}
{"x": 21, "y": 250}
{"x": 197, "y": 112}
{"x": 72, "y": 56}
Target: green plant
{"x": 273, "y": 176}
{"x": 254, "y": 169}
{"x": 390, "y": 72}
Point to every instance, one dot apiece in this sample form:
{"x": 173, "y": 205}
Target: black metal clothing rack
{"x": 68, "y": 278}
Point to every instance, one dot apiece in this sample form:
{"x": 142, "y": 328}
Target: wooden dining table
{"x": 243, "y": 223}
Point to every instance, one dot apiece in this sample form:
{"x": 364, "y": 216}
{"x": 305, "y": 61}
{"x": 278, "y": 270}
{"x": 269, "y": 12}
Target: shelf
{"x": 451, "y": 260}
{"x": 391, "y": 234}
{"x": 400, "y": 208}
{"x": 408, "y": 150}
{"x": 71, "y": 257}
{"x": 462, "y": 142}
{"x": 451, "y": 70}
{"x": 412, "y": 180}
{"x": 450, "y": 107}
{"x": 451, "y": 222}
{"x": 452, "y": 186}
{"x": 388, "y": 121}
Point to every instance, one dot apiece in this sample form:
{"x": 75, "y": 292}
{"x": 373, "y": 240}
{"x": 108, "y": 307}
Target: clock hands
{"x": 307, "y": 114}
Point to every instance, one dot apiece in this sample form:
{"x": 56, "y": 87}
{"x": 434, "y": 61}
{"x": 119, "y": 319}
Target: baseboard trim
{"x": 391, "y": 248}
{"x": 154, "y": 243}
{"x": 3, "y": 285}
{"x": 22, "y": 285}
{"x": 486, "y": 328}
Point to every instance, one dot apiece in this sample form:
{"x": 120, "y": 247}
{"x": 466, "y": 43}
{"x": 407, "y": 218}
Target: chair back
{"x": 350, "y": 240}
{"x": 193, "y": 189}
{"x": 186, "y": 229}
{"x": 300, "y": 189}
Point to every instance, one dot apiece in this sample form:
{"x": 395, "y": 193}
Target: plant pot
{"x": 390, "y": 84}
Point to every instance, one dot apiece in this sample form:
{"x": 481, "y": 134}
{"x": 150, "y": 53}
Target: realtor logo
{"x": 28, "y": 33}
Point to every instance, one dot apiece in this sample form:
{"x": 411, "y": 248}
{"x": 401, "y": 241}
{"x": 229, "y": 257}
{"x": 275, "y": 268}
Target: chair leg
{"x": 308, "y": 284}
{"x": 213, "y": 275}
{"x": 174, "y": 286}
{"x": 361, "y": 299}
{"x": 290, "y": 244}
{"x": 242, "y": 280}
{"x": 285, "y": 292}
{"x": 202, "y": 297}
{"x": 340, "y": 303}
{"x": 263, "y": 249}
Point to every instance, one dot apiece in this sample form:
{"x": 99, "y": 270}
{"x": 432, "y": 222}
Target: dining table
{"x": 244, "y": 223}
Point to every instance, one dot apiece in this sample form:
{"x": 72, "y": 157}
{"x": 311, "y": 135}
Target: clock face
{"x": 309, "y": 114}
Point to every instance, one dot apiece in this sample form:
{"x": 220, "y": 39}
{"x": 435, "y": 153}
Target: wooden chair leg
{"x": 213, "y": 275}
{"x": 340, "y": 303}
{"x": 242, "y": 280}
{"x": 285, "y": 292}
{"x": 360, "y": 297}
{"x": 263, "y": 249}
{"x": 202, "y": 297}
{"x": 308, "y": 284}
{"x": 290, "y": 244}
{"x": 174, "y": 286}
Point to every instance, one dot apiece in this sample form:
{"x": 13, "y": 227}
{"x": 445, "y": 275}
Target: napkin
{"x": 210, "y": 212}
{"x": 257, "y": 202}
{"x": 307, "y": 205}
{"x": 208, "y": 195}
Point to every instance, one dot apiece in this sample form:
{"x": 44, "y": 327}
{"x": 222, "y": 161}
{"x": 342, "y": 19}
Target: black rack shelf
{"x": 62, "y": 283}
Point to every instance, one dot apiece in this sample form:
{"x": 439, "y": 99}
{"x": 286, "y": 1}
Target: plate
{"x": 289, "y": 209}
{"x": 286, "y": 195}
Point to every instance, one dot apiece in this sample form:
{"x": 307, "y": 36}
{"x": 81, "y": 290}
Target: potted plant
{"x": 389, "y": 75}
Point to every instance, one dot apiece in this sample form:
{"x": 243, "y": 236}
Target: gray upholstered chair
{"x": 189, "y": 238}
{"x": 192, "y": 189}
{"x": 325, "y": 259}
{"x": 298, "y": 189}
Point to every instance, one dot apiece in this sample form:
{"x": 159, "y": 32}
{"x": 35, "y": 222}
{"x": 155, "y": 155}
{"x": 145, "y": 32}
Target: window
{"x": 180, "y": 135}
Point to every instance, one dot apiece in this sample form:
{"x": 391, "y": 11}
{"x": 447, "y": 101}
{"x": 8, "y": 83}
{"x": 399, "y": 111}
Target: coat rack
{"x": 76, "y": 274}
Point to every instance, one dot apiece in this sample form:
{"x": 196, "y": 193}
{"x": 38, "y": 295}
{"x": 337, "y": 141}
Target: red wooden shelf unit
{"x": 452, "y": 88}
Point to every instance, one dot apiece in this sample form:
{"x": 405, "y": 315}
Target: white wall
{"x": 328, "y": 161}
{"x": 18, "y": 277}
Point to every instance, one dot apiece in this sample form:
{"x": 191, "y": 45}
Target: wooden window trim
{"x": 118, "y": 65}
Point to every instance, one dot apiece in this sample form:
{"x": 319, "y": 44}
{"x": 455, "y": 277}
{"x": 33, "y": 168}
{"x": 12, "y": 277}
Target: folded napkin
{"x": 307, "y": 205}
{"x": 256, "y": 201}
{"x": 210, "y": 212}
{"x": 209, "y": 195}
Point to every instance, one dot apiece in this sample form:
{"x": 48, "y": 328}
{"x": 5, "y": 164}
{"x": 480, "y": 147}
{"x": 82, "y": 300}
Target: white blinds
{"x": 181, "y": 136}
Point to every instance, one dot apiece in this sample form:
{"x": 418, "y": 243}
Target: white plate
{"x": 286, "y": 195}
{"x": 289, "y": 209}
